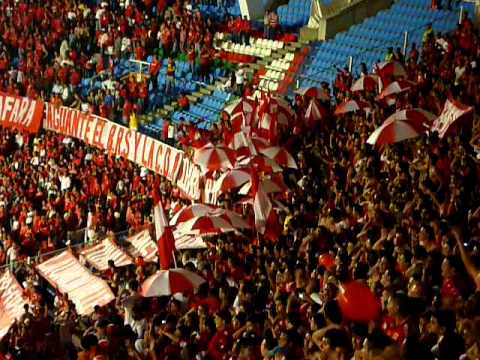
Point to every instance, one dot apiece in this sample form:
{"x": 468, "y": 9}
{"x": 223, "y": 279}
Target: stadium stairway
{"x": 368, "y": 41}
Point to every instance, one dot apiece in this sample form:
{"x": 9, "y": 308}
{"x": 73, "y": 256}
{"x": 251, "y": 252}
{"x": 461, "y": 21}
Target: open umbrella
{"x": 212, "y": 158}
{"x": 190, "y": 212}
{"x": 387, "y": 70}
{"x": 205, "y": 225}
{"x": 234, "y": 218}
{"x": 419, "y": 119}
{"x": 260, "y": 163}
{"x": 391, "y": 132}
{"x": 169, "y": 282}
{"x": 281, "y": 156}
{"x": 272, "y": 105}
{"x": 314, "y": 113}
{"x": 313, "y": 92}
{"x": 366, "y": 83}
{"x": 270, "y": 185}
{"x": 396, "y": 87}
{"x": 232, "y": 179}
{"x": 351, "y": 106}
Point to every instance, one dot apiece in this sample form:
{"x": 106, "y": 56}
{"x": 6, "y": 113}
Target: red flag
{"x": 164, "y": 233}
{"x": 262, "y": 205}
{"x": 453, "y": 115}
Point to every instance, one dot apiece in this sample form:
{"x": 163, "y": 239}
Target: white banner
{"x": 11, "y": 302}
{"x": 65, "y": 273}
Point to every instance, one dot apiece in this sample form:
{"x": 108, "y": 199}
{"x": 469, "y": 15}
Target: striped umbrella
{"x": 313, "y": 92}
{"x": 419, "y": 119}
{"x": 351, "y": 106}
{"x": 387, "y": 70}
{"x": 212, "y": 158}
{"x": 169, "y": 282}
{"x": 366, "y": 83}
{"x": 205, "y": 225}
{"x": 396, "y": 87}
{"x": 190, "y": 212}
{"x": 232, "y": 179}
{"x": 281, "y": 156}
{"x": 314, "y": 113}
{"x": 392, "y": 132}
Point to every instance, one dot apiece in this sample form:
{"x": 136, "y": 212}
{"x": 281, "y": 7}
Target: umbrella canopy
{"x": 271, "y": 185}
{"x": 314, "y": 112}
{"x": 234, "y": 218}
{"x": 366, "y": 83}
{"x": 275, "y": 105}
{"x": 260, "y": 163}
{"x": 212, "y": 158}
{"x": 232, "y": 179}
{"x": 351, "y": 106}
{"x": 169, "y": 282}
{"x": 190, "y": 212}
{"x": 281, "y": 156}
{"x": 313, "y": 92}
{"x": 391, "y": 69}
{"x": 205, "y": 225}
{"x": 241, "y": 120}
{"x": 396, "y": 87}
{"x": 392, "y": 132}
{"x": 242, "y": 105}
{"x": 419, "y": 119}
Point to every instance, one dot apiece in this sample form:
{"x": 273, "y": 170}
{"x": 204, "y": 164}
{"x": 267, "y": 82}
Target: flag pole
{"x": 174, "y": 259}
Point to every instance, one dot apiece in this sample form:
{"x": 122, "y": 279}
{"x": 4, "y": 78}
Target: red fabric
{"x": 164, "y": 233}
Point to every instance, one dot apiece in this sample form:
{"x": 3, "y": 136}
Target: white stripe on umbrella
{"x": 392, "y": 132}
{"x": 393, "y": 68}
{"x": 314, "y": 113}
{"x": 169, "y": 282}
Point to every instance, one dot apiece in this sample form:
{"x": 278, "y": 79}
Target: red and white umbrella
{"x": 366, "y": 83}
{"x": 270, "y": 185}
{"x": 232, "y": 179}
{"x": 314, "y": 113}
{"x": 190, "y": 212}
{"x": 281, "y": 156}
{"x": 396, "y": 87}
{"x": 392, "y": 132}
{"x": 212, "y": 158}
{"x": 313, "y": 92}
{"x": 169, "y": 282}
{"x": 260, "y": 163}
{"x": 419, "y": 119}
{"x": 205, "y": 225}
{"x": 351, "y": 106}
{"x": 275, "y": 106}
{"x": 241, "y": 120}
{"x": 246, "y": 145}
{"x": 242, "y": 105}
{"x": 234, "y": 218}
{"x": 387, "y": 70}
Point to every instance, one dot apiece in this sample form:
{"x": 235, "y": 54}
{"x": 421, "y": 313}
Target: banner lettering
{"x": 20, "y": 113}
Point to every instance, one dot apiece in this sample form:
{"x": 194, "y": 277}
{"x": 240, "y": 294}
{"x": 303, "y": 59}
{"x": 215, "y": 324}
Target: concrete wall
{"x": 326, "y": 21}
{"x": 254, "y": 9}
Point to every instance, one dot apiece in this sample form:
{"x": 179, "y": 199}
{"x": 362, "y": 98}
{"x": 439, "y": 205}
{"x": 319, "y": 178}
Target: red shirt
{"x": 220, "y": 344}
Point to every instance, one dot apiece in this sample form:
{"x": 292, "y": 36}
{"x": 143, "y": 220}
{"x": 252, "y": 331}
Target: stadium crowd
{"x": 48, "y": 50}
{"x": 405, "y": 221}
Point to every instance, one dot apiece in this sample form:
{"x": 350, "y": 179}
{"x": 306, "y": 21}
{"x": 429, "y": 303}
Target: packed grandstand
{"x": 190, "y": 180}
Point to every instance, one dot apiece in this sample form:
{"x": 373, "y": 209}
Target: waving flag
{"x": 262, "y": 205}
{"x": 453, "y": 112}
{"x": 164, "y": 233}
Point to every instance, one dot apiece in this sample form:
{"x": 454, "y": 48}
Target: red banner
{"x": 21, "y": 113}
{"x": 122, "y": 141}
{"x": 12, "y": 301}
